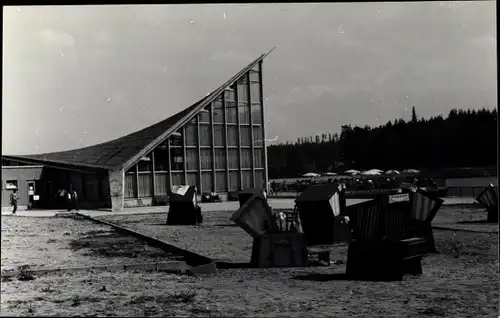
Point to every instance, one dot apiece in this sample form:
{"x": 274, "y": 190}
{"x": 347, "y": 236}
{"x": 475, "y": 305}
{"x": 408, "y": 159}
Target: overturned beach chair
{"x": 488, "y": 198}
{"x": 245, "y": 194}
{"x": 273, "y": 245}
{"x": 381, "y": 248}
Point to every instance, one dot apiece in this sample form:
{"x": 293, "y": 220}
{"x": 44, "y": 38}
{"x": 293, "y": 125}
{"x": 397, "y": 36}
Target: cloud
{"x": 233, "y": 56}
{"x": 102, "y": 37}
{"x": 55, "y": 37}
{"x": 485, "y": 40}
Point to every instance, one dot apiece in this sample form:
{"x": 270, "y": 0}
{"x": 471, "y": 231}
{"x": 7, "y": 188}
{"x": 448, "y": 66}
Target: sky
{"x": 74, "y": 76}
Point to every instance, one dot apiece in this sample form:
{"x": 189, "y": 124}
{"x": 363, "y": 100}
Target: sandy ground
{"x": 460, "y": 281}
{"x": 216, "y": 238}
{"x": 220, "y": 239}
{"x": 68, "y": 242}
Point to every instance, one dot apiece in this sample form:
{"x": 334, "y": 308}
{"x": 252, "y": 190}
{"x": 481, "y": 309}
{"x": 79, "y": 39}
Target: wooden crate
{"x": 280, "y": 250}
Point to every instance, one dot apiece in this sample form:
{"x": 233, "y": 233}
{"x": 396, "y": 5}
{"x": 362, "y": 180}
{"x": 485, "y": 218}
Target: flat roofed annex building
{"x": 216, "y": 144}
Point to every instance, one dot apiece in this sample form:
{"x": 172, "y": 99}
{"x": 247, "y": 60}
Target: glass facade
{"x": 221, "y": 149}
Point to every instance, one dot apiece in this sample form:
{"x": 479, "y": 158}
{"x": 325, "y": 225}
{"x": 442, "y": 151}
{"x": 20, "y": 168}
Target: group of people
{"x": 70, "y": 197}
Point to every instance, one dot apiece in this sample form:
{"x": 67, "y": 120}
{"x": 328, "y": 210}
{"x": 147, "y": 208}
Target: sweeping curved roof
{"x": 117, "y": 152}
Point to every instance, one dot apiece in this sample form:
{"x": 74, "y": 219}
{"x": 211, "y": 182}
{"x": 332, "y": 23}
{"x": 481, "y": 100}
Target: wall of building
{"x": 92, "y": 187}
{"x": 221, "y": 150}
{"x": 21, "y": 175}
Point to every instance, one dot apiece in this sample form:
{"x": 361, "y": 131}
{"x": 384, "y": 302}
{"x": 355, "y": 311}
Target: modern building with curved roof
{"x": 216, "y": 144}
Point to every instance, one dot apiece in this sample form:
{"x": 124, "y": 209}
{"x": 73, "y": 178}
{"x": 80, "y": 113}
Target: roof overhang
{"x": 57, "y": 164}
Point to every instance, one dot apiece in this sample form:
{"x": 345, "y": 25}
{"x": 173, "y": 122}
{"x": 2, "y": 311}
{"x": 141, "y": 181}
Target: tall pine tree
{"x": 413, "y": 115}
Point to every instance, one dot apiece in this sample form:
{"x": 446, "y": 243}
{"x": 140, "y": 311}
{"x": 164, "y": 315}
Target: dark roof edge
{"x": 55, "y": 162}
{"x": 202, "y": 103}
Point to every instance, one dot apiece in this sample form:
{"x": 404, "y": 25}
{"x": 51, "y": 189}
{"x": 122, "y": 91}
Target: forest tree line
{"x": 465, "y": 138}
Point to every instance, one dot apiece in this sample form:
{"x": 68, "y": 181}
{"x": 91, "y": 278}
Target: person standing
{"x": 13, "y": 200}
{"x": 72, "y": 200}
{"x": 69, "y": 201}
{"x": 74, "y": 196}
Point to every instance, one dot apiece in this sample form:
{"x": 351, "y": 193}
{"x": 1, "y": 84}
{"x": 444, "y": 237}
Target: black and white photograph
{"x": 335, "y": 159}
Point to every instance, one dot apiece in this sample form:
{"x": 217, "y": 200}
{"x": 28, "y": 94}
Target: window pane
{"x": 256, "y": 114}
{"x": 206, "y": 158}
{"x": 130, "y": 185}
{"x": 192, "y": 179}
{"x": 230, "y": 94}
{"x": 177, "y": 178}
{"x": 234, "y": 181}
{"x": 232, "y": 135}
{"x": 146, "y": 163}
{"x": 161, "y": 157}
{"x": 254, "y": 76}
{"x": 246, "y": 158}
{"x": 192, "y": 159}
{"x": 220, "y": 181}
{"x": 244, "y": 111}
{"x": 245, "y": 136}
{"x": 243, "y": 90}
{"x": 257, "y": 137}
{"x": 247, "y": 179}
{"x": 161, "y": 184}
{"x": 206, "y": 182}
{"x": 204, "y": 115}
{"x": 145, "y": 186}
{"x": 176, "y": 138}
{"x": 258, "y": 158}
{"x": 234, "y": 161}
{"x": 191, "y": 135}
{"x": 219, "y": 132}
{"x": 256, "y": 67}
{"x": 259, "y": 179}
{"x": 255, "y": 92}
{"x": 205, "y": 135}
{"x": 231, "y": 112}
{"x": 220, "y": 158}
{"x": 177, "y": 159}
{"x": 218, "y": 112}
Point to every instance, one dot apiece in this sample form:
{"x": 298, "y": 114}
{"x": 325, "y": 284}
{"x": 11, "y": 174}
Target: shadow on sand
{"x": 226, "y": 225}
{"x": 229, "y": 265}
{"x": 474, "y": 222}
{"x": 344, "y": 277}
